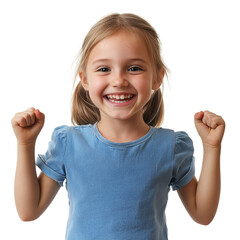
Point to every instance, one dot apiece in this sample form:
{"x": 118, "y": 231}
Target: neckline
{"x": 124, "y": 144}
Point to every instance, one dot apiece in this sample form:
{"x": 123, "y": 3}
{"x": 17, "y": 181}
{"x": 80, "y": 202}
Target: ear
{"x": 159, "y": 79}
{"x": 83, "y": 79}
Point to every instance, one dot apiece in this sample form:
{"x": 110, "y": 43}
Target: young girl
{"x": 118, "y": 164}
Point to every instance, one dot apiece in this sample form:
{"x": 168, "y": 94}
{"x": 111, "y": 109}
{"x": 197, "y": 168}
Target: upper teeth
{"x": 120, "y": 96}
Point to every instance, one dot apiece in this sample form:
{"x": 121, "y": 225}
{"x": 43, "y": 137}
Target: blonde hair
{"x": 83, "y": 109}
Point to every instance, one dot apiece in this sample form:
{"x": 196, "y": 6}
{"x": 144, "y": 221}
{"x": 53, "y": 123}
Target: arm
{"x": 201, "y": 198}
{"x": 32, "y": 194}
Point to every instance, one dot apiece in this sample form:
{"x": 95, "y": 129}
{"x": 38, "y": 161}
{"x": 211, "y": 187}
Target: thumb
{"x": 202, "y": 129}
{"x": 198, "y": 117}
{"x": 198, "y": 120}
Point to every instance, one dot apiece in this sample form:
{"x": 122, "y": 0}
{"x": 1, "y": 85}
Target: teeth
{"x": 119, "y": 98}
{"x": 114, "y": 101}
{"x": 122, "y": 97}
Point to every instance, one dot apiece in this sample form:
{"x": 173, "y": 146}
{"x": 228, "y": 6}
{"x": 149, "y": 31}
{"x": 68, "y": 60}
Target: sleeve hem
{"x": 187, "y": 178}
{"x": 49, "y": 171}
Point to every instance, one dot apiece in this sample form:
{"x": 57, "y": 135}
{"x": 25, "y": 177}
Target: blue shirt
{"x": 117, "y": 191}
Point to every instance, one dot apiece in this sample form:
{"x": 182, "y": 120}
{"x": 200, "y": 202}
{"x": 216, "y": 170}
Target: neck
{"x": 122, "y": 130}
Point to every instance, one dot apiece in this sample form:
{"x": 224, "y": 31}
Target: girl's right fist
{"x": 27, "y": 125}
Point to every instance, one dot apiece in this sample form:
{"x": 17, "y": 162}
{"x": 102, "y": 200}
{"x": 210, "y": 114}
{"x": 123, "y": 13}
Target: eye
{"x": 103, "y": 69}
{"x": 134, "y": 69}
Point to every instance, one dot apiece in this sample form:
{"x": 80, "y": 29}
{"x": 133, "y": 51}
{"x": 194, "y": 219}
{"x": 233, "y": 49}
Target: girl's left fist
{"x": 210, "y": 128}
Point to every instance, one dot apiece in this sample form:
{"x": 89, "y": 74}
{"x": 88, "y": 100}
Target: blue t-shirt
{"x": 117, "y": 191}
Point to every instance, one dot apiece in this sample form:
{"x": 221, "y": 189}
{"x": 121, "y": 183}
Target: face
{"x": 119, "y": 76}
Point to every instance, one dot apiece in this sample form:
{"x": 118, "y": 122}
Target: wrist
{"x": 207, "y": 146}
{"x": 26, "y": 144}
{"x": 210, "y": 149}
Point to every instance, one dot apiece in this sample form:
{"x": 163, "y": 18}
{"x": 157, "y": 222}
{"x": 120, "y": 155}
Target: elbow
{"x": 27, "y": 217}
{"x": 203, "y": 221}
{"x": 203, "y": 217}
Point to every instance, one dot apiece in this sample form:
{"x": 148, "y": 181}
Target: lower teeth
{"x": 117, "y": 101}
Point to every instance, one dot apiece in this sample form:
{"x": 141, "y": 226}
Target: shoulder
{"x": 73, "y": 133}
{"x": 163, "y": 139}
{"x": 81, "y": 129}
{"x": 163, "y": 131}
{"x": 64, "y": 137}
{"x": 64, "y": 129}
{"x": 164, "y": 135}
{"x": 179, "y": 140}
{"x": 177, "y": 135}
{"x": 59, "y": 132}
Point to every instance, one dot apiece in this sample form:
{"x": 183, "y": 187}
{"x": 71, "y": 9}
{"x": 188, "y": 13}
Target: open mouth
{"x": 120, "y": 98}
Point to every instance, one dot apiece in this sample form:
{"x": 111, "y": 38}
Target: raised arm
{"x": 32, "y": 194}
{"x": 201, "y": 198}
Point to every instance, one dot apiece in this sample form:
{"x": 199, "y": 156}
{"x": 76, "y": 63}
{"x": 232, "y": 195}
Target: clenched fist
{"x": 27, "y": 125}
{"x": 210, "y": 128}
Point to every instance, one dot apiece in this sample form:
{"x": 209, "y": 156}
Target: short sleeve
{"x": 183, "y": 162}
{"x": 53, "y": 162}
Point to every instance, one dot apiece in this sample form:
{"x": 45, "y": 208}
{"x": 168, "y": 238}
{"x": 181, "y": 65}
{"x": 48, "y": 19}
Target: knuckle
{"x": 22, "y": 121}
{"x": 31, "y": 109}
{"x": 33, "y": 115}
{"x": 27, "y": 116}
{"x": 30, "y": 113}
{"x": 214, "y": 120}
{"x": 206, "y": 112}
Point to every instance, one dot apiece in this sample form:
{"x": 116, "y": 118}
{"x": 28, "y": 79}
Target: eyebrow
{"x": 130, "y": 60}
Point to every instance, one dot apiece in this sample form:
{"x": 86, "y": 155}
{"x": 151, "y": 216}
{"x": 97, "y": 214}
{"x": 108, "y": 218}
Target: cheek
{"x": 96, "y": 87}
{"x": 144, "y": 87}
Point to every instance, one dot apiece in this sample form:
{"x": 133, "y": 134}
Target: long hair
{"x": 83, "y": 109}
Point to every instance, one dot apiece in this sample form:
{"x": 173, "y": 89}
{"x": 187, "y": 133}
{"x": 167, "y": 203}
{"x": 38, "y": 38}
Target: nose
{"x": 119, "y": 80}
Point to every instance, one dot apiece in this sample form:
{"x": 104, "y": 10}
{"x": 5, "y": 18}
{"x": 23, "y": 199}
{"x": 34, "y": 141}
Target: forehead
{"x": 121, "y": 45}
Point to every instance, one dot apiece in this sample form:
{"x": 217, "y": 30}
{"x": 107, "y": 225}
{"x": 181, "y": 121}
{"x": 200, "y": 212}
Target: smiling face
{"x": 119, "y": 76}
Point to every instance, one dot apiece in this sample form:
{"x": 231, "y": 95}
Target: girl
{"x": 118, "y": 165}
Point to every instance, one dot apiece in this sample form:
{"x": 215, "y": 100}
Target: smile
{"x": 119, "y": 98}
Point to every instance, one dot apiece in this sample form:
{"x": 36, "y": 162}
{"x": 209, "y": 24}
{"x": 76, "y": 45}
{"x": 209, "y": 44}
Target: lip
{"x": 120, "y": 93}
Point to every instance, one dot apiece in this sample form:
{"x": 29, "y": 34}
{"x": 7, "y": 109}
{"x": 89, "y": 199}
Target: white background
{"x": 200, "y": 42}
